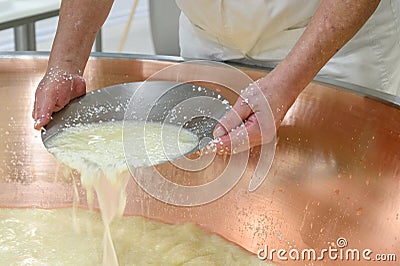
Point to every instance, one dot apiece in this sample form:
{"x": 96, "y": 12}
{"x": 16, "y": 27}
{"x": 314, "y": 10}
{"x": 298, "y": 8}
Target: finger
{"x": 38, "y": 93}
{"x": 258, "y": 129}
{"x": 41, "y": 122}
{"x": 234, "y": 118}
{"x": 243, "y": 137}
{"x": 44, "y": 106}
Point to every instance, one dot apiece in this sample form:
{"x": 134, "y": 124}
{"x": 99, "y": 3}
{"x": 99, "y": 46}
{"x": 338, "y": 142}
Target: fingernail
{"x": 37, "y": 122}
{"x": 219, "y": 132}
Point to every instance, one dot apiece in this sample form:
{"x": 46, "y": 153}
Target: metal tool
{"x": 192, "y": 107}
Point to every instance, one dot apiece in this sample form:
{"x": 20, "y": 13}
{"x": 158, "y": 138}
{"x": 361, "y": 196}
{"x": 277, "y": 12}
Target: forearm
{"x": 79, "y": 22}
{"x": 334, "y": 23}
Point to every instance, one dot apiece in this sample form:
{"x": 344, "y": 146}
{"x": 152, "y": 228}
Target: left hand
{"x": 249, "y": 123}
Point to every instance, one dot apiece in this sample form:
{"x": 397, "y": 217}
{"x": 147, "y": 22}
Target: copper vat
{"x": 336, "y": 172}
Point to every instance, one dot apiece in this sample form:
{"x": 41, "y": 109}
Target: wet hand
{"x": 249, "y": 123}
{"x": 55, "y": 90}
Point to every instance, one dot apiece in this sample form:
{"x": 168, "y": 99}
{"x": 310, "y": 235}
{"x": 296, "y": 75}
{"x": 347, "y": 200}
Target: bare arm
{"x": 334, "y": 23}
{"x": 79, "y": 22}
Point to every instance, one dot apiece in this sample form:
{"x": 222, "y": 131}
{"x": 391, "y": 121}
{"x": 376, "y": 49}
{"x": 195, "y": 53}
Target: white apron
{"x": 266, "y": 30}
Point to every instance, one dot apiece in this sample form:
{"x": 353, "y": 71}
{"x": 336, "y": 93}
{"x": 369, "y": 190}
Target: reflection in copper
{"x": 336, "y": 171}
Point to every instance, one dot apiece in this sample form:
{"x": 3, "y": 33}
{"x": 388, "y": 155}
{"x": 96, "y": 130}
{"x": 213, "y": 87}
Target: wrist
{"x": 60, "y": 68}
{"x": 66, "y": 65}
{"x": 67, "y": 59}
{"x": 56, "y": 74}
{"x": 280, "y": 93}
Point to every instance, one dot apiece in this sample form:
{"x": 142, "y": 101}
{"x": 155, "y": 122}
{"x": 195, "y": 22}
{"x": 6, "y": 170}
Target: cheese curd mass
{"x": 55, "y": 237}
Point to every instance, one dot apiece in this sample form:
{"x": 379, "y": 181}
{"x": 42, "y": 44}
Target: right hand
{"x": 55, "y": 90}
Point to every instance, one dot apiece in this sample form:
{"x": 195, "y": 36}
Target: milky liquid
{"x": 96, "y": 151}
{"x": 48, "y": 237}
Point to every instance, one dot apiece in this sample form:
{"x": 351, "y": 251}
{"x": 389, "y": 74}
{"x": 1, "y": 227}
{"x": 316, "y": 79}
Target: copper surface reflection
{"x": 336, "y": 171}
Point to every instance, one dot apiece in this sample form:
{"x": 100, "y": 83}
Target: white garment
{"x": 267, "y": 29}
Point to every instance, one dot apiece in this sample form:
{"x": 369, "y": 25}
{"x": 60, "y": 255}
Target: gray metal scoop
{"x": 185, "y": 105}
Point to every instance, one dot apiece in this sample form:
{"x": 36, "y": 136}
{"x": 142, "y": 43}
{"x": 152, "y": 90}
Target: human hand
{"x": 55, "y": 90}
{"x": 249, "y": 123}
